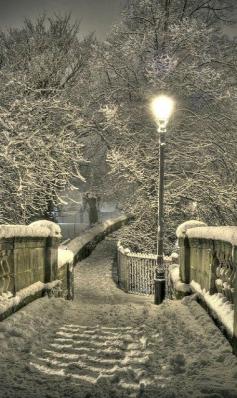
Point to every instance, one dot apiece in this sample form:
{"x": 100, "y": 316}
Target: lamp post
{"x": 162, "y": 107}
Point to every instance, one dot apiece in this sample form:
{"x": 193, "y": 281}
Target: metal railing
{"x": 136, "y": 271}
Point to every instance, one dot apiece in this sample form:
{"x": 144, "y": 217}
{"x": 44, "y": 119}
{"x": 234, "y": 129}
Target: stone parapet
{"x": 208, "y": 261}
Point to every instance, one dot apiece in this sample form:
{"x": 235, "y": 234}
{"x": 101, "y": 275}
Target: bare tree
{"x": 40, "y": 125}
{"x": 176, "y": 47}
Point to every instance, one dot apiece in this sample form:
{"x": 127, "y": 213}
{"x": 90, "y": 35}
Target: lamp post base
{"x": 159, "y": 286}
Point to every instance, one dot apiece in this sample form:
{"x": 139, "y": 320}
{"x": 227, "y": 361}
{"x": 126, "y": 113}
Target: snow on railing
{"x": 209, "y": 258}
{"x": 208, "y": 262}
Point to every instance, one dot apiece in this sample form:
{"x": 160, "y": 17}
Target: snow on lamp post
{"x": 162, "y": 108}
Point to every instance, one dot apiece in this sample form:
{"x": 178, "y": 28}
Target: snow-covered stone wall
{"x": 28, "y": 257}
{"x": 83, "y": 245}
{"x": 32, "y": 263}
{"x": 37, "y": 229}
{"x": 186, "y": 226}
{"x": 208, "y": 259}
{"x": 28, "y": 254}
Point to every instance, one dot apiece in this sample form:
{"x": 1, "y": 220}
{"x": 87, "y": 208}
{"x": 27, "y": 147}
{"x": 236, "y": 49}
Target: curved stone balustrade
{"x": 208, "y": 262}
{"x": 32, "y": 263}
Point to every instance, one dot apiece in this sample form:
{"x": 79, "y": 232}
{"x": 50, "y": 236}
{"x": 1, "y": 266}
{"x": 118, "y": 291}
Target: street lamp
{"x": 162, "y": 108}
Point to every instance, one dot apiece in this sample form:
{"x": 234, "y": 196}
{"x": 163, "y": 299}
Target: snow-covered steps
{"x": 97, "y": 355}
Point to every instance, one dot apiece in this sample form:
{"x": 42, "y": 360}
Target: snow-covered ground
{"x": 109, "y": 344}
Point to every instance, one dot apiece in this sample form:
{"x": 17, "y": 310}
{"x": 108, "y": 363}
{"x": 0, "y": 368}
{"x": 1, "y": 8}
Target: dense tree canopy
{"x": 177, "y": 48}
{"x": 40, "y": 126}
{"x": 61, "y": 93}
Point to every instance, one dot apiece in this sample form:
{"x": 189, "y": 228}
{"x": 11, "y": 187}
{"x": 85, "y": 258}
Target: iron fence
{"x": 136, "y": 271}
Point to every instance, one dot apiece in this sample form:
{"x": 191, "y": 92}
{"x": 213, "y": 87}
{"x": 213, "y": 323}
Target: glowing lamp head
{"x": 162, "y": 108}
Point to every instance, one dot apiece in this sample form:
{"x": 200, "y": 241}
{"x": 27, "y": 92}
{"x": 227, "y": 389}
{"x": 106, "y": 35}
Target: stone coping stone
{"x": 226, "y": 234}
{"x": 9, "y": 305}
{"x": 83, "y": 245}
{"x": 185, "y": 226}
{"x": 39, "y": 229}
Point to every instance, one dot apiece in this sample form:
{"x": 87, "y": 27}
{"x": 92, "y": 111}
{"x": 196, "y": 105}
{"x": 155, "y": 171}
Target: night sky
{"x": 95, "y": 15}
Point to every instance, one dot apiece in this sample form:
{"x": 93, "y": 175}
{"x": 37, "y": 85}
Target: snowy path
{"x": 109, "y": 344}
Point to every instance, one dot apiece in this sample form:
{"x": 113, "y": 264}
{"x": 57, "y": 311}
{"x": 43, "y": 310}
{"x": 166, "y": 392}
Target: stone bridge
{"x": 110, "y": 344}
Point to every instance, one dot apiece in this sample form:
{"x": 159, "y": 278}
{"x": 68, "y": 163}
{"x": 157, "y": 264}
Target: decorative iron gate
{"x": 136, "y": 271}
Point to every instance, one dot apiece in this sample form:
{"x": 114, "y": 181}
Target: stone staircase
{"x": 98, "y": 355}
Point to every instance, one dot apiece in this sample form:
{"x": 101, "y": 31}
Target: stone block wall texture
{"x": 29, "y": 264}
{"x": 7, "y": 281}
{"x": 123, "y": 270}
{"x": 208, "y": 254}
{"x": 26, "y": 260}
{"x": 62, "y": 275}
{"x": 234, "y": 343}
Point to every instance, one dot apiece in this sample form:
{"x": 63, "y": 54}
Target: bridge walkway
{"x": 109, "y": 344}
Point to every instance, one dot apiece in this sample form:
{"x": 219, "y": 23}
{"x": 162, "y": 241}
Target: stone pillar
{"x": 51, "y": 259}
{"x": 234, "y": 343}
{"x": 184, "y": 259}
{"x": 213, "y": 266}
{"x": 70, "y": 281}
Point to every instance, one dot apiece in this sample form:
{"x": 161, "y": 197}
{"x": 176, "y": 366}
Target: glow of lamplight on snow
{"x": 162, "y": 107}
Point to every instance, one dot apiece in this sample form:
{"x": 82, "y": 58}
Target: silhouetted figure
{"x": 91, "y": 201}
